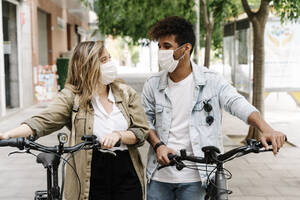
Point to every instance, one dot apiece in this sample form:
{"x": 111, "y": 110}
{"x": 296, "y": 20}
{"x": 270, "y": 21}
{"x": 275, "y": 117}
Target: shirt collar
{"x": 110, "y": 95}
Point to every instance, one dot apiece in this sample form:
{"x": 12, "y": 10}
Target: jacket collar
{"x": 116, "y": 91}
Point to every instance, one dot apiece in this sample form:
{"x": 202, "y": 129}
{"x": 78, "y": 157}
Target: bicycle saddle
{"x": 47, "y": 159}
{"x": 211, "y": 149}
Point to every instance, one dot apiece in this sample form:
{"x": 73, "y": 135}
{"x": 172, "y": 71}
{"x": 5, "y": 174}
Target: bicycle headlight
{"x": 62, "y": 138}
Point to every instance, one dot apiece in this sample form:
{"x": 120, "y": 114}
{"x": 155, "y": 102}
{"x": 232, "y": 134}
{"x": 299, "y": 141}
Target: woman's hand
{"x": 4, "y": 136}
{"x": 110, "y": 140}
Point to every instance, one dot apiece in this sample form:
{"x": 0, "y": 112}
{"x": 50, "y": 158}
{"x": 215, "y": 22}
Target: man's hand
{"x": 277, "y": 139}
{"x": 162, "y": 154}
{"x": 268, "y": 134}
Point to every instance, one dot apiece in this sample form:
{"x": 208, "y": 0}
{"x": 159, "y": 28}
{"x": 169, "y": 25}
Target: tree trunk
{"x": 209, "y": 26}
{"x": 208, "y": 37}
{"x": 258, "y": 21}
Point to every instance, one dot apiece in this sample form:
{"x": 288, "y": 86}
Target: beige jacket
{"x": 66, "y": 111}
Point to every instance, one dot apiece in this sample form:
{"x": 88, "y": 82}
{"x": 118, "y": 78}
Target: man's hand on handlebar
{"x": 275, "y": 137}
{"x": 162, "y": 154}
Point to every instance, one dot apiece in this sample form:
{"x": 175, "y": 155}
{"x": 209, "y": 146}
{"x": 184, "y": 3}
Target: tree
{"x": 134, "y": 18}
{"x": 288, "y": 10}
{"x": 214, "y": 12}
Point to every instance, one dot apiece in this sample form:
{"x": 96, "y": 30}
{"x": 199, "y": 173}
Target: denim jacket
{"x": 209, "y": 87}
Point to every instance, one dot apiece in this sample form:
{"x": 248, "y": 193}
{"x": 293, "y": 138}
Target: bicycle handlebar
{"x": 212, "y": 156}
{"x": 88, "y": 143}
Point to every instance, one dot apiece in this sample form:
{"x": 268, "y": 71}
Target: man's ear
{"x": 188, "y": 47}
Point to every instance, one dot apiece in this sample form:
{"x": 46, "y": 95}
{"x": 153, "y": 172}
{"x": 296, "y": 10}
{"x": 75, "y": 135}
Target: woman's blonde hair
{"x": 84, "y": 71}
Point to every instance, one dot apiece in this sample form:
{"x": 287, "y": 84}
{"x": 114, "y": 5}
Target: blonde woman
{"x": 94, "y": 103}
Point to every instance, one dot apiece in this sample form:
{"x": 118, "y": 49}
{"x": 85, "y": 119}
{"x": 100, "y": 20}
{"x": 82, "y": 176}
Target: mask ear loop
{"x": 182, "y": 55}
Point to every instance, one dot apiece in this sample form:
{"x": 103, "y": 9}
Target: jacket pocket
{"x": 158, "y": 115}
{"x": 202, "y": 117}
{"x": 79, "y": 124}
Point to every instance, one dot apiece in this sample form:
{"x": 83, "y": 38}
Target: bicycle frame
{"x": 221, "y": 182}
{"x": 221, "y": 191}
{"x": 53, "y": 189}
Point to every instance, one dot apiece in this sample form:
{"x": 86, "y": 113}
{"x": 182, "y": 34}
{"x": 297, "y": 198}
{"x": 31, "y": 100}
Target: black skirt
{"x": 114, "y": 177}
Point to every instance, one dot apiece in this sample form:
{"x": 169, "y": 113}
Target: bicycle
{"x": 217, "y": 187}
{"x": 50, "y": 159}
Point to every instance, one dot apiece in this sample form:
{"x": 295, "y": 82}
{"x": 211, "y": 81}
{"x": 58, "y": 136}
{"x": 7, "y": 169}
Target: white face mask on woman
{"x": 109, "y": 72}
{"x": 166, "y": 59}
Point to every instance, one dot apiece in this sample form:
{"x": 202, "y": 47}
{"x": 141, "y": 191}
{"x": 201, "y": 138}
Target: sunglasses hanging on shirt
{"x": 208, "y": 109}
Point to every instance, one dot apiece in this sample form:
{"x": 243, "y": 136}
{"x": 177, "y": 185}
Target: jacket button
{"x": 154, "y": 161}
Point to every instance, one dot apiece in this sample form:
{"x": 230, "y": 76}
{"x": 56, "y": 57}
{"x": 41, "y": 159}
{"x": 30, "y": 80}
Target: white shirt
{"x": 181, "y": 96}
{"x": 105, "y": 123}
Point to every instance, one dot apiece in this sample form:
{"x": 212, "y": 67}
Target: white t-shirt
{"x": 105, "y": 123}
{"x": 181, "y": 96}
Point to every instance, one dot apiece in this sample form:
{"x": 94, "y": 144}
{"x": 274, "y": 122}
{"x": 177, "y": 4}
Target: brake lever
{"x": 162, "y": 166}
{"x": 264, "y": 150}
{"x": 178, "y": 164}
{"x": 172, "y": 163}
{"x": 107, "y": 151}
{"x": 19, "y": 152}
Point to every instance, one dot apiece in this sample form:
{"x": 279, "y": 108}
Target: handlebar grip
{"x": 4, "y": 143}
{"x": 171, "y": 156}
{"x": 260, "y": 145}
{"x": 13, "y": 142}
{"x": 118, "y": 143}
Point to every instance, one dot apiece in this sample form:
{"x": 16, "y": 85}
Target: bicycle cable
{"x": 63, "y": 172}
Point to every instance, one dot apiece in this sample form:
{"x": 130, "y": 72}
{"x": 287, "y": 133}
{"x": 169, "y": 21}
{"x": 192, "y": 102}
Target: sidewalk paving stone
{"x": 255, "y": 177}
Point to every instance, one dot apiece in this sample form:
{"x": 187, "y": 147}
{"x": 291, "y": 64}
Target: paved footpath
{"x": 255, "y": 177}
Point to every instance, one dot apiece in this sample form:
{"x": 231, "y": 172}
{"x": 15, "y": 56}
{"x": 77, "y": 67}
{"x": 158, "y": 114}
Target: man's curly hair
{"x": 178, "y": 26}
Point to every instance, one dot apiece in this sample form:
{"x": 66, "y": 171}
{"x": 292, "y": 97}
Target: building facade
{"x": 35, "y": 33}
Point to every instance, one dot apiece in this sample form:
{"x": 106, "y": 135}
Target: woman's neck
{"x": 103, "y": 90}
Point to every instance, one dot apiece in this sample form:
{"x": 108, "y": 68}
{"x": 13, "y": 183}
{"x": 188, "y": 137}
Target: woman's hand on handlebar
{"x": 110, "y": 140}
{"x": 162, "y": 154}
{"x": 4, "y": 136}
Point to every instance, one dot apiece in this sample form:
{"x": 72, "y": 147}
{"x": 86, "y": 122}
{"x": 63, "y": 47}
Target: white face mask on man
{"x": 109, "y": 72}
{"x": 166, "y": 59}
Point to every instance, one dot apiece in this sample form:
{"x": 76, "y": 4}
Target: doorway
{"x": 11, "y": 57}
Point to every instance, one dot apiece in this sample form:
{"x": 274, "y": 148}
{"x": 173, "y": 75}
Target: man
{"x": 183, "y": 104}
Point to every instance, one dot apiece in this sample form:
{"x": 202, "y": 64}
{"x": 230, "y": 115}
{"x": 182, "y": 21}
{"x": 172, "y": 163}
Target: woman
{"x": 94, "y": 103}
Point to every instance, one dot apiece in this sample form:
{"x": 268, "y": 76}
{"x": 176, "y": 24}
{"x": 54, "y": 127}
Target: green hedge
{"x": 62, "y": 71}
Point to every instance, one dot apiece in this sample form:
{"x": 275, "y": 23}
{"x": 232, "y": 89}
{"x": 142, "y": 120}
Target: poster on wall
{"x": 282, "y": 60}
{"x": 45, "y": 82}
